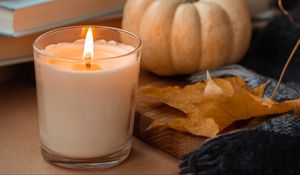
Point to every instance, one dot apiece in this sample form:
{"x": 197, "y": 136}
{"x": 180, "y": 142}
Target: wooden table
{"x": 19, "y": 140}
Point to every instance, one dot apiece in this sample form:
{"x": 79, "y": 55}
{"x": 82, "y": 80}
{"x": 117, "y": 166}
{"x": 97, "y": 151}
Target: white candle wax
{"x": 85, "y": 114}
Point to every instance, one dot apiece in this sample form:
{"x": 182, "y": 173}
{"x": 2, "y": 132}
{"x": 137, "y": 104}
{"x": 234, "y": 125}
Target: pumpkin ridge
{"x": 217, "y": 37}
{"x": 144, "y": 66}
{"x": 173, "y": 67}
{"x": 185, "y": 50}
{"x": 200, "y": 56}
{"x": 241, "y": 26}
{"x": 156, "y": 28}
{"x": 133, "y": 17}
{"x": 232, "y": 31}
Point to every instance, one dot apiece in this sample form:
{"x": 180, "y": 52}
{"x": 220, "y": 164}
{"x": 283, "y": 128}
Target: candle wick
{"x": 88, "y": 62}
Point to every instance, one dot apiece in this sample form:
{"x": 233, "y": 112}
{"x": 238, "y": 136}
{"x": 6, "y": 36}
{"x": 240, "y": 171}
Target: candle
{"x": 86, "y": 95}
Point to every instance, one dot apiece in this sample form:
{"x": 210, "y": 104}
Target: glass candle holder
{"x": 86, "y": 106}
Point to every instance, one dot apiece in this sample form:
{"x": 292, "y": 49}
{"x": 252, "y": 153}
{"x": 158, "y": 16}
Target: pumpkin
{"x": 185, "y": 36}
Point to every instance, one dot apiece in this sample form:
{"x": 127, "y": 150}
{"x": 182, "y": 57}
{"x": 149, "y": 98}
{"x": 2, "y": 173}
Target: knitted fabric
{"x": 272, "y": 147}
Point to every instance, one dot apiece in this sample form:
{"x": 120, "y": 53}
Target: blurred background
{"x": 21, "y": 21}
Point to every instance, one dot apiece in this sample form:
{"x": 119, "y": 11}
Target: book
{"x": 19, "y": 50}
{"x": 24, "y": 17}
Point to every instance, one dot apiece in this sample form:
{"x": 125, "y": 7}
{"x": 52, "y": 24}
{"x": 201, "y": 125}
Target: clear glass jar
{"x": 86, "y": 113}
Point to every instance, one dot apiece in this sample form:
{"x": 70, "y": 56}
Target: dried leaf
{"x": 214, "y": 104}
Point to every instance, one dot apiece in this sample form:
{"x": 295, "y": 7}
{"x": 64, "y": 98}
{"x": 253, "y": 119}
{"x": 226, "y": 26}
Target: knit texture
{"x": 270, "y": 148}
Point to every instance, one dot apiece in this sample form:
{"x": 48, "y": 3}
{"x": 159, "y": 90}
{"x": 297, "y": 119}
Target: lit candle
{"x": 86, "y": 95}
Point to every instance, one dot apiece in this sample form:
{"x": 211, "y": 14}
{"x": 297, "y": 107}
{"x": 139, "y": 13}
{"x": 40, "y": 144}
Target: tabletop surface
{"x": 20, "y": 147}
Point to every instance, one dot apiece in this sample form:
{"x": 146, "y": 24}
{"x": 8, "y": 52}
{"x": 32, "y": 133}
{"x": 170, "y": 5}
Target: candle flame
{"x": 88, "y": 51}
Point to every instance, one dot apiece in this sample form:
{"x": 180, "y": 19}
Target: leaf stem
{"x": 285, "y": 68}
{"x": 285, "y": 12}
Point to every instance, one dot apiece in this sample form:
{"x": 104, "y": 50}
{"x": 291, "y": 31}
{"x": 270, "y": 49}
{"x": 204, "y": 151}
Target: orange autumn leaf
{"x": 214, "y": 104}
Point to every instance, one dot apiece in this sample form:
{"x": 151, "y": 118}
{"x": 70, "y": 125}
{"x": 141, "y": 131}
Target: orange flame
{"x": 88, "y": 51}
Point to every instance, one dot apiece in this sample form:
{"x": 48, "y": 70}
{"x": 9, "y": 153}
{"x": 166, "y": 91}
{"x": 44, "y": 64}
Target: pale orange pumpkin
{"x": 185, "y": 36}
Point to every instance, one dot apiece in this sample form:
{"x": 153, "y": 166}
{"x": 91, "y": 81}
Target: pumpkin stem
{"x": 187, "y": 1}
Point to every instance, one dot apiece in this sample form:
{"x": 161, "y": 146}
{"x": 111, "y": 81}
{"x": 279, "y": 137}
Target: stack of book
{"x": 22, "y": 21}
